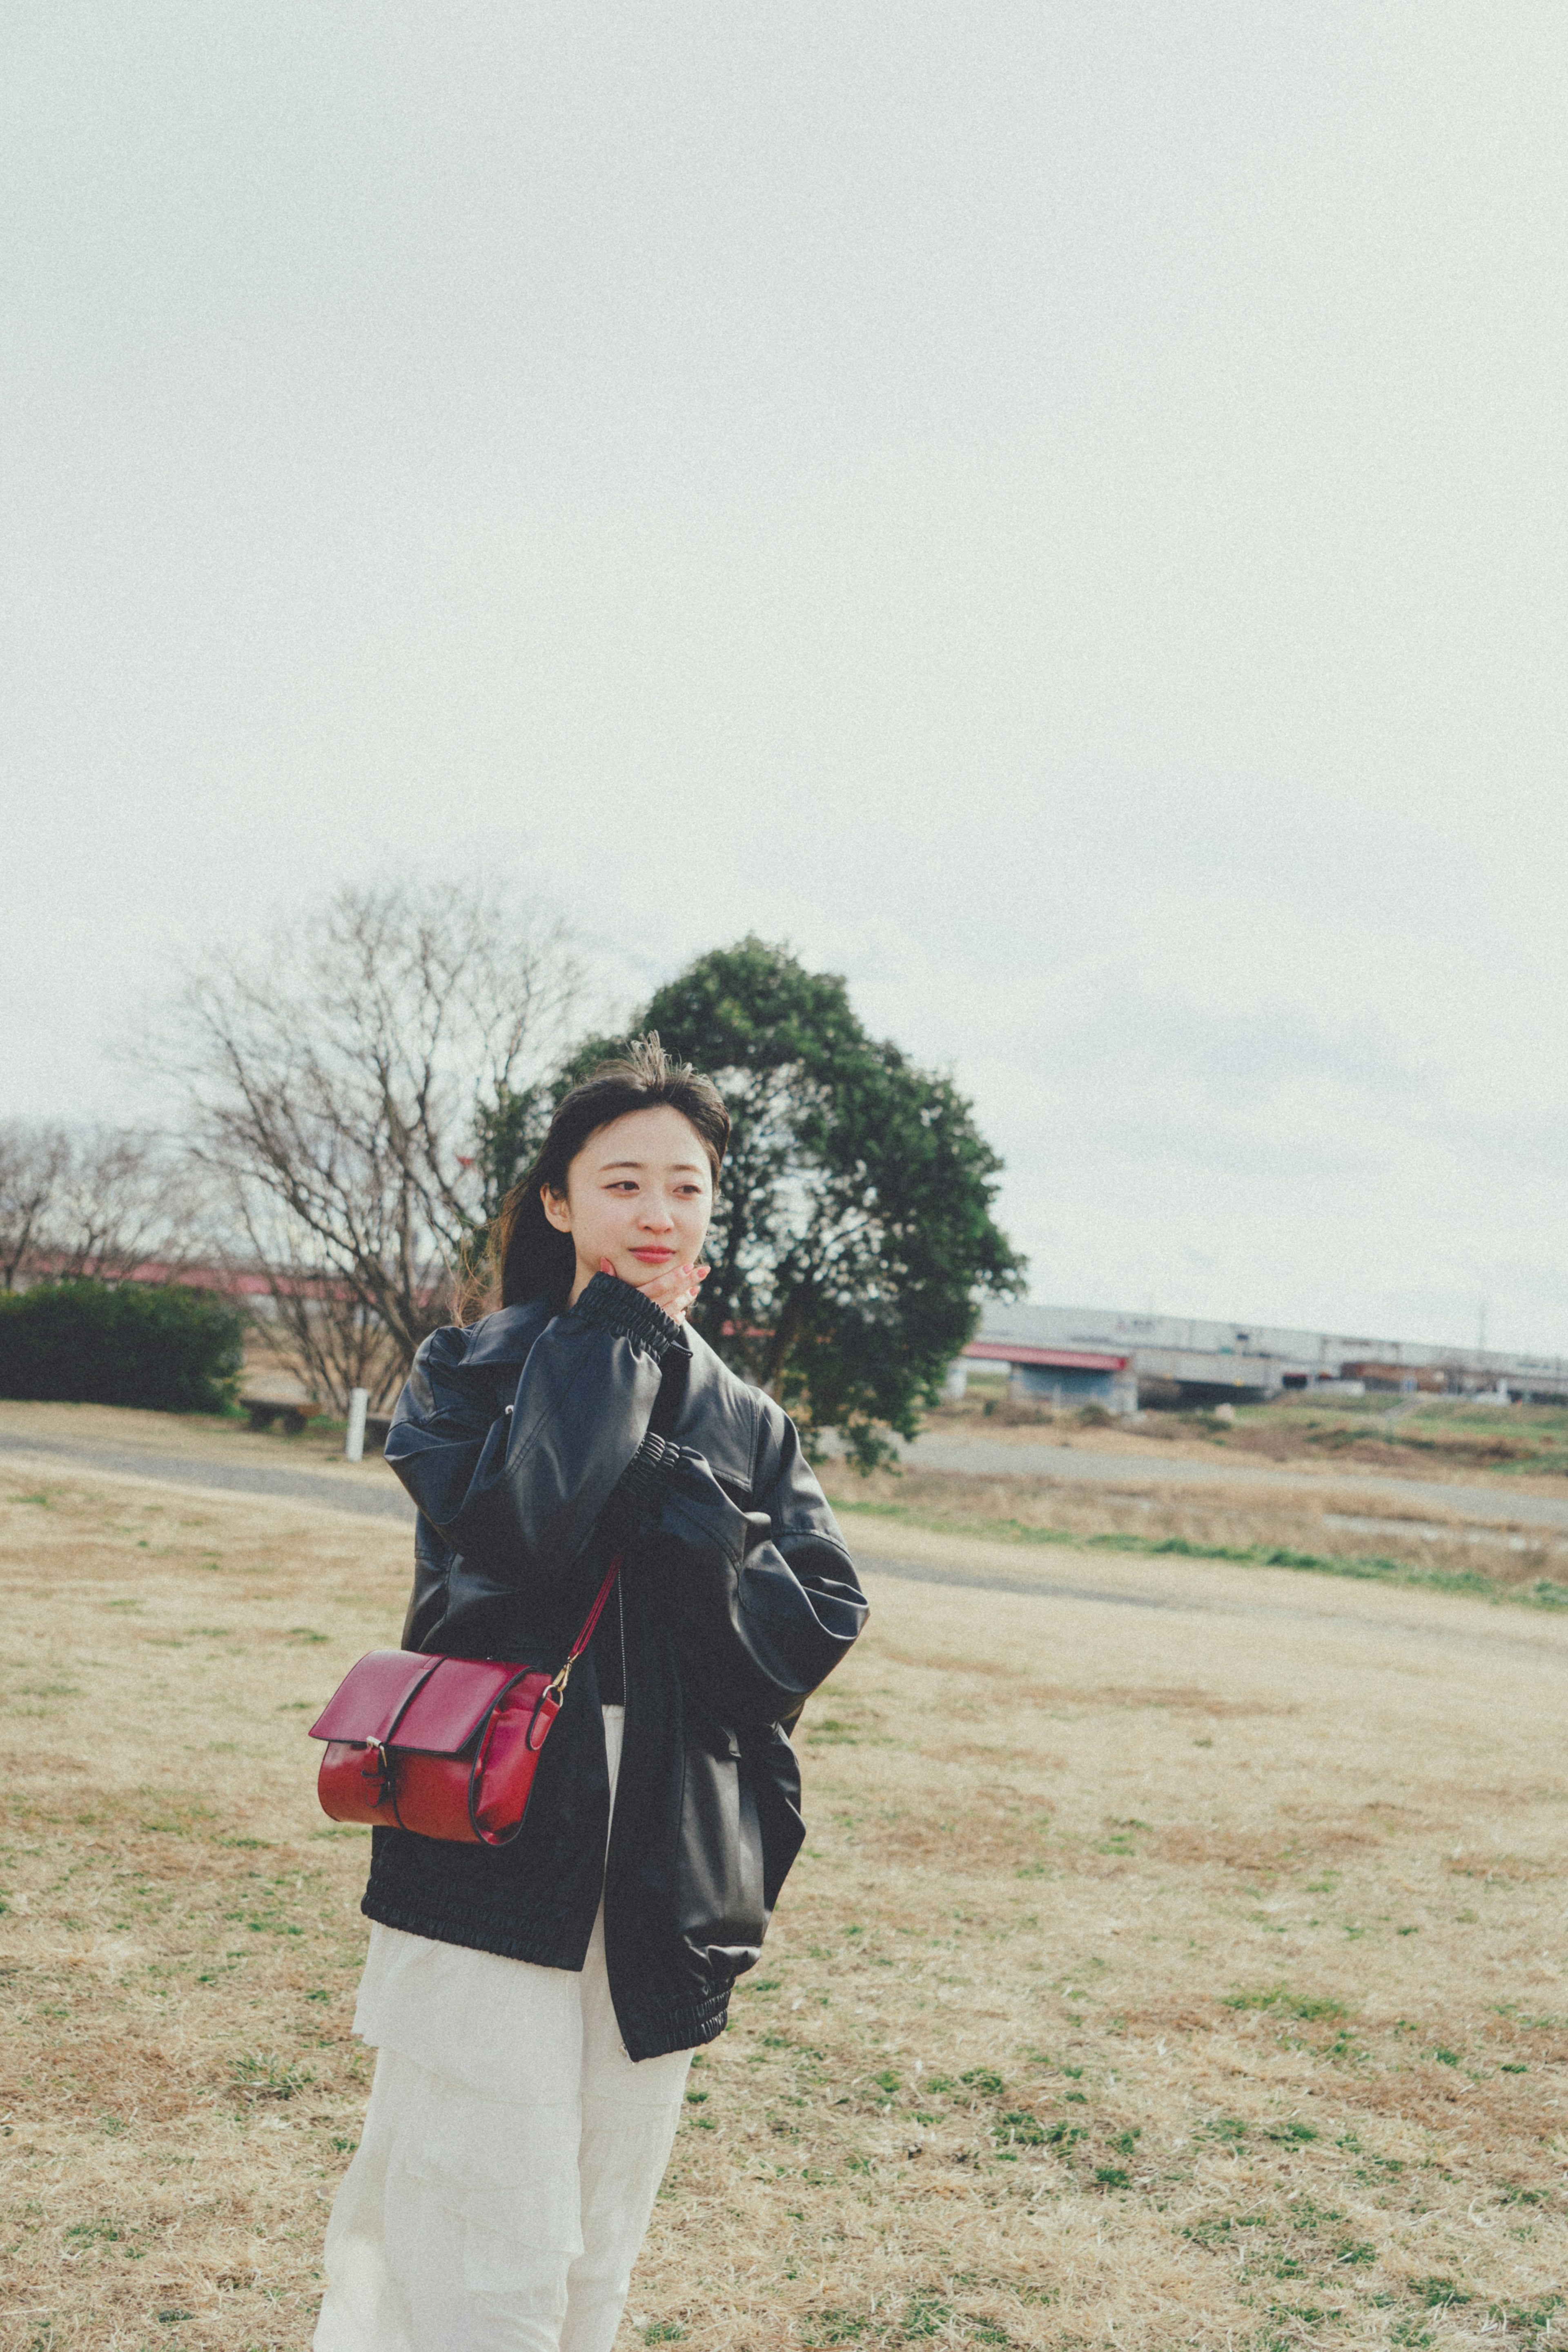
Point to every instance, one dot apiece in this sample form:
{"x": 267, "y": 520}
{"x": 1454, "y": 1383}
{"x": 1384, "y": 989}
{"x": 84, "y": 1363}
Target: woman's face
{"x": 640, "y": 1194}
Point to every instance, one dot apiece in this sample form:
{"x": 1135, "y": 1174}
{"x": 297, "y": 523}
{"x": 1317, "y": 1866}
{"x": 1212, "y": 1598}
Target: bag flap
{"x": 449, "y": 1709}
{"x": 366, "y": 1702}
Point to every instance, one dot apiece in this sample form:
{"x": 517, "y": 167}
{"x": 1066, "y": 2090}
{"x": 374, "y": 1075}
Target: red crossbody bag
{"x": 446, "y": 1747}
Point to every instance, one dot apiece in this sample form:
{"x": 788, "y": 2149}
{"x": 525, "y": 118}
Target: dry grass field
{"x": 1176, "y": 1965}
{"x": 1418, "y": 1437}
{"x": 1332, "y": 1520}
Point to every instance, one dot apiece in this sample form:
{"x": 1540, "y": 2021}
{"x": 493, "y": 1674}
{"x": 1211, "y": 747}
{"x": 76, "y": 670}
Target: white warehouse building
{"x": 1091, "y": 1354}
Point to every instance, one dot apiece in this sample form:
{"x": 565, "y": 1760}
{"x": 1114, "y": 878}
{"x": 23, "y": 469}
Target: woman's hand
{"x": 674, "y": 1287}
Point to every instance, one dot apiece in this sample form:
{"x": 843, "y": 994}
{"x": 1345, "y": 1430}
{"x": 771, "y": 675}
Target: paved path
{"x": 371, "y": 1492}
{"x": 379, "y": 1497}
{"x": 334, "y": 1491}
{"x": 1082, "y": 1466}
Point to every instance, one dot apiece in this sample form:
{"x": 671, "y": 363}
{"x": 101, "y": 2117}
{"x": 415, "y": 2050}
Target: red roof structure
{"x": 1061, "y": 1360}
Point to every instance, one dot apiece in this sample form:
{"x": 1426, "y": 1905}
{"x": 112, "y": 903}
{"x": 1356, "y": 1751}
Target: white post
{"x": 354, "y": 1443}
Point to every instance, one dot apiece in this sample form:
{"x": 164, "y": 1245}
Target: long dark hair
{"x": 525, "y": 1255}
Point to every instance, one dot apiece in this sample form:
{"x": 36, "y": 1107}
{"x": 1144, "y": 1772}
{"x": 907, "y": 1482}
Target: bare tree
{"x": 32, "y": 1165}
{"x": 338, "y": 1080}
{"x": 320, "y": 1325}
{"x": 99, "y": 1202}
{"x": 127, "y": 1200}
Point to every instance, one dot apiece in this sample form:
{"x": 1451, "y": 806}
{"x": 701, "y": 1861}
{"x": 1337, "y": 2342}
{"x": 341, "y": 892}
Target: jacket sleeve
{"x": 768, "y": 1599}
{"x": 519, "y": 1490}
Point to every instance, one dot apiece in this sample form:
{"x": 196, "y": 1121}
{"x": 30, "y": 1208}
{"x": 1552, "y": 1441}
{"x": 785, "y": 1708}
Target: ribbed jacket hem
{"x": 664, "y": 2026}
{"x": 542, "y": 1950}
{"x": 616, "y": 1307}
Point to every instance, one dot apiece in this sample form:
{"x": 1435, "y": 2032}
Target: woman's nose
{"x": 655, "y": 1217}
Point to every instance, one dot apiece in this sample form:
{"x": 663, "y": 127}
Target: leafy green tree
{"x": 854, "y": 1237}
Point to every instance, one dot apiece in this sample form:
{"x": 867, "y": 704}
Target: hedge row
{"x": 159, "y": 1345}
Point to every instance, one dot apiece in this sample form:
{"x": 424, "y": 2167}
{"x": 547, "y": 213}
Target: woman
{"x": 535, "y": 2007}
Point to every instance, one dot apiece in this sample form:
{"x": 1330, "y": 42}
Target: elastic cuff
{"x": 639, "y": 1491}
{"x": 616, "y": 1307}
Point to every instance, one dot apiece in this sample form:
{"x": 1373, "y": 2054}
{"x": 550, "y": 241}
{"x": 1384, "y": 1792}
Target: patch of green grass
{"x": 262, "y": 2074}
{"x": 1364, "y": 1567}
{"x": 1309, "y": 2008}
{"x": 102, "y": 2231}
{"x": 1536, "y": 2022}
{"x": 1516, "y": 2318}
{"x": 1218, "y": 2228}
{"x": 1439, "y": 2293}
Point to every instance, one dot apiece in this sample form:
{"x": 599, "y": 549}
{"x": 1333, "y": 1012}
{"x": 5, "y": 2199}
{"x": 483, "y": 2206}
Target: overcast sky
{"x": 1055, "y": 510}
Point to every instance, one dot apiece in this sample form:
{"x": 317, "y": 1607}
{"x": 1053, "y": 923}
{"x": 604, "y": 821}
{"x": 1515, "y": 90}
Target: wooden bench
{"x": 294, "y": 1413}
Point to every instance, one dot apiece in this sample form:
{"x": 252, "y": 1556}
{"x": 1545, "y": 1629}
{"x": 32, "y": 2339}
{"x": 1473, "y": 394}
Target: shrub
{"x": 158, "y": 1344}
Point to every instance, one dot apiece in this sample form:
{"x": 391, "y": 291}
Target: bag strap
{"x": 589, "y": 1622}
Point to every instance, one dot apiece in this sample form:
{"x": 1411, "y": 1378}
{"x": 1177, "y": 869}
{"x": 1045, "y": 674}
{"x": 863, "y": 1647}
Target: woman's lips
{"x": 653, "y": 1256}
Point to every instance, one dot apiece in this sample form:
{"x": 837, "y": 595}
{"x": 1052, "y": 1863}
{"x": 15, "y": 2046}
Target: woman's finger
{"x": 666, "y": 1287}
{"x": 674, "y": 1287}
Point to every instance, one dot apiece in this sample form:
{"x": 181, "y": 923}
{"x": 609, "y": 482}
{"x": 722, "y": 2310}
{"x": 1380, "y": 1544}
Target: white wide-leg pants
{"x": 510, "y": 2157}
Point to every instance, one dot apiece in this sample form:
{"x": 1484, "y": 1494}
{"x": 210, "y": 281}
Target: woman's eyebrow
{"x": 677, "y": 1167}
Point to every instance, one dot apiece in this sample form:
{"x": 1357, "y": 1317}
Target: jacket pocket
{"x": 720, "y": 1869}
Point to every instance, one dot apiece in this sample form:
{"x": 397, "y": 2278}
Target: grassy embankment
{"x": 1151, "y": 1978}
{"x": 1310, "y": 1521}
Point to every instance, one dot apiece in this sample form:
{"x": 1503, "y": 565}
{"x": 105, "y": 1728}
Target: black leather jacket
{"x": 535, "y": 1444}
